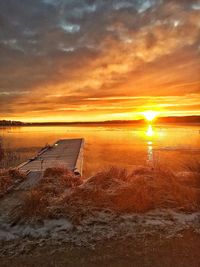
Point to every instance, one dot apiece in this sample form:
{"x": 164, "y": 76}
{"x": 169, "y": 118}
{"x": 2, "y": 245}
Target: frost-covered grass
{"x": 62, "y": 194}
{"x": 140, "y": 191}
{"x": 9, "y": 179}
{"x": 39, "y": 202}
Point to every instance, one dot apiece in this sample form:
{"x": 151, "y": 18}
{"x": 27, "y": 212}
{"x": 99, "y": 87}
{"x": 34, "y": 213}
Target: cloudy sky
{"x": 84, "y": 60}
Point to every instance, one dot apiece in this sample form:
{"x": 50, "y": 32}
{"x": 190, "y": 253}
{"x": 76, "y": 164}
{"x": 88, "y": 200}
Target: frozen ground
{"x": 99, "y": 226}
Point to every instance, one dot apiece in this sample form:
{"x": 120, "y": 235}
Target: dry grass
{"x": 194, "y": 167}
{"x": 5, "y": 182}
{"x": 2, "y": 151}
{"x": 9, "y": 179}
{"x": 38, "y": 201}
{"x": 59, "y": 179}
{"x": 10, "y": 156}
{"x": 35, "y": 204}
{"x": 139, "y": 191}
{"x": 191, "y": 180}
{"x": 61, "y": 193}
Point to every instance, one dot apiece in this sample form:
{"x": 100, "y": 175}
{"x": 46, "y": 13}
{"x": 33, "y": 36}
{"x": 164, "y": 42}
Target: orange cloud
{"x": 100, "y": 62}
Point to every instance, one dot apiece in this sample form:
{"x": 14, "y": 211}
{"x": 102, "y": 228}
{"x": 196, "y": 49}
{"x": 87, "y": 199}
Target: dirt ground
{"x": 151, "y": 251}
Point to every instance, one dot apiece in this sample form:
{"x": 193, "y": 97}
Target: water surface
{"x": 122, "y": 146}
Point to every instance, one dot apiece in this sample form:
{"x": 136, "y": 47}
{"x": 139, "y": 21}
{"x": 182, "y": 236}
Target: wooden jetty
{"x": 66, "y": 153}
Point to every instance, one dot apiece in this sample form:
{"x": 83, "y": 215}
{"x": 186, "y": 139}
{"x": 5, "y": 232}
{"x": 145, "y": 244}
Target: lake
{"x": 105, "y": 146}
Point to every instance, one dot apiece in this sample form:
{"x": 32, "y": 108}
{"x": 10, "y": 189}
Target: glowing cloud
{"x": 98, "y": 60}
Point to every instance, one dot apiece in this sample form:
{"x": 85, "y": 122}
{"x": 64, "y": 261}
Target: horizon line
{"x": 105, "y": 121}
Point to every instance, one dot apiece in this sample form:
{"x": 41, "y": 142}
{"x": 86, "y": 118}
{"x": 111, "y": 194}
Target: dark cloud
{"x": 85, "y": 49}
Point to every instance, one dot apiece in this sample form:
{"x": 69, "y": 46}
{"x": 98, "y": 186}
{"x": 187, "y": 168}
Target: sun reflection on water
{"x": 150, "y": 134}
{"x": 150, "y": 131}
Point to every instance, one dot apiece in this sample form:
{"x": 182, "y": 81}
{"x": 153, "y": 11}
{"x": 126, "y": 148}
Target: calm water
{"x": 122, "y": 146}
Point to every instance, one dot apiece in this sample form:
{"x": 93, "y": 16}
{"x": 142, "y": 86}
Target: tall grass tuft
{"x": 61, "y": 193}
{"x": 194, "y": 167}
{"x": 9, "y": 179}
{"x": 136, "y": 192}
{"x": 38, "y": 202}
{"x": 35, "y": 204}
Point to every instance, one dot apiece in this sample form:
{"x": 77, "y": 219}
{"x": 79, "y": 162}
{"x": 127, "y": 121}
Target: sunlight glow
{"x": 150, "y": 131}
{"x": 150, "y": 115}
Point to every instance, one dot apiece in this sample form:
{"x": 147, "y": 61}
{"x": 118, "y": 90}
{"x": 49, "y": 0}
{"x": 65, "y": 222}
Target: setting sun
{"x": 150, "y": 115}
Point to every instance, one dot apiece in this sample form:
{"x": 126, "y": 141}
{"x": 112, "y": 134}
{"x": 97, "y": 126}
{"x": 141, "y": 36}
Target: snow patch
{"x": 99, "y": 226}
{"x": 47, "y": 229}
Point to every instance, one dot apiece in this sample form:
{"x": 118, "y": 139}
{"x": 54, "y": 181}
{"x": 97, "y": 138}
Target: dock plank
{"x": 67, "y": 153}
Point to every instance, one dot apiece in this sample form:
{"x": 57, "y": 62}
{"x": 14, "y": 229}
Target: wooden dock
{"x": 66, "y": 153}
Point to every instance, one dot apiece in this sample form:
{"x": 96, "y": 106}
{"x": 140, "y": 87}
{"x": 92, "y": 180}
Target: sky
{"x": 87, "y": 60}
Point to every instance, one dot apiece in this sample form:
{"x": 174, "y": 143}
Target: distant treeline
{"x": 12, "y": 123}
{"x": 185, "y": 119}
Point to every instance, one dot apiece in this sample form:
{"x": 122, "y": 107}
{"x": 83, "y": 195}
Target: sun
{"x": 150, "y": 115}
